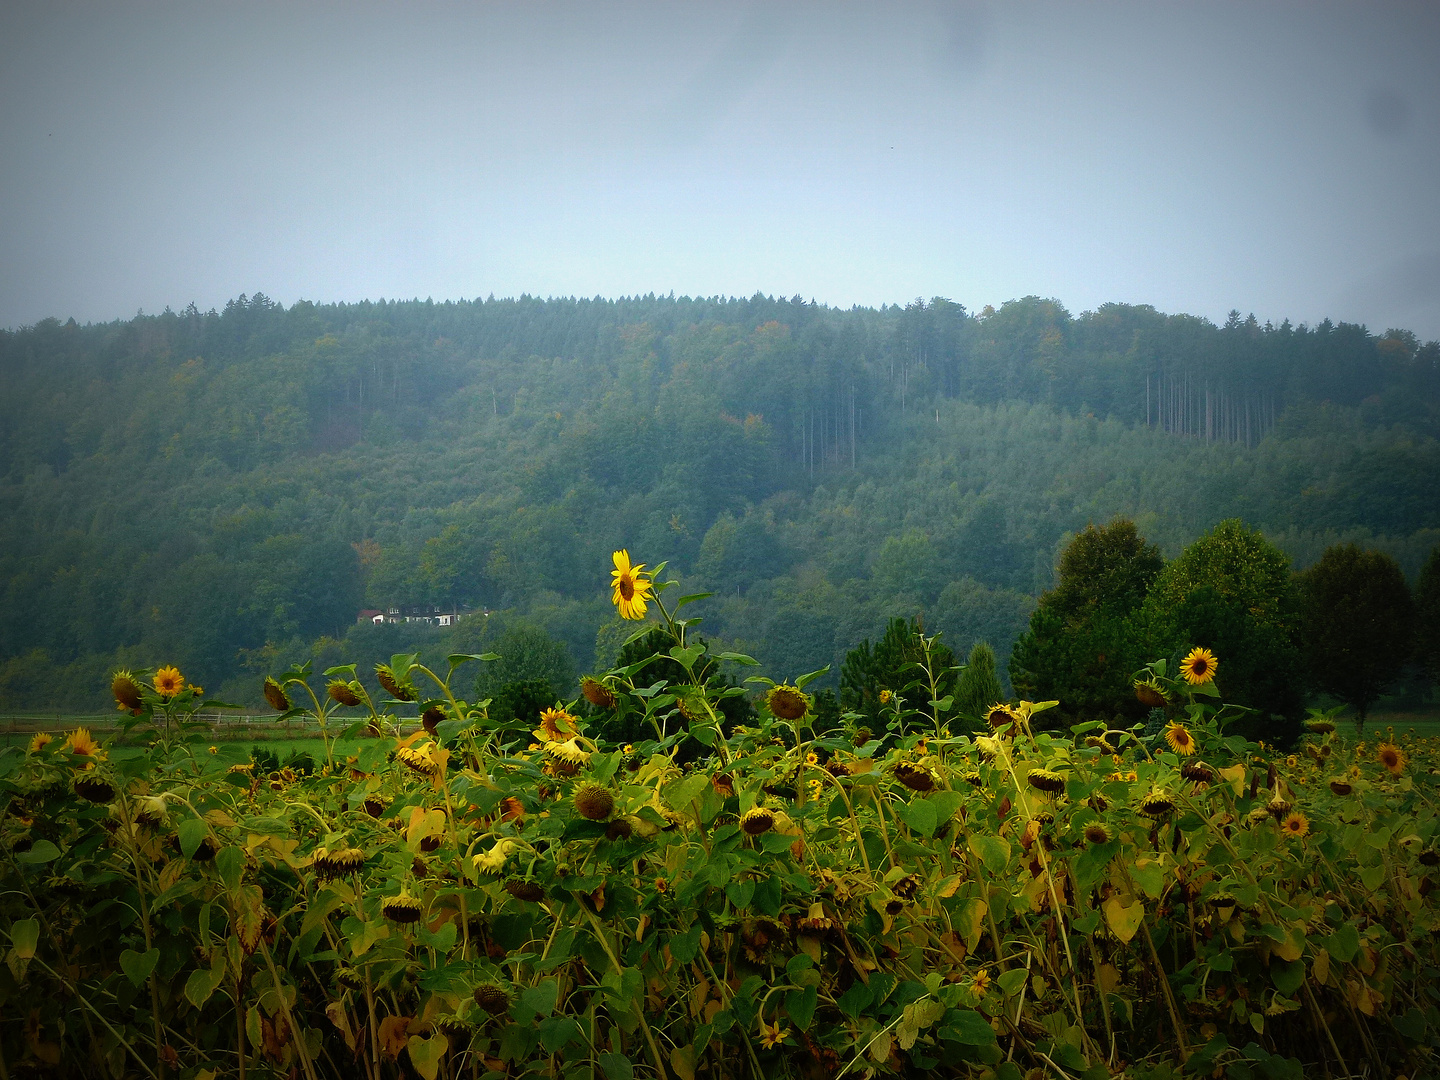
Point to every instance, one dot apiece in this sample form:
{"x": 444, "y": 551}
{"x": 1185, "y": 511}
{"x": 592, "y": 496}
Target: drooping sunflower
{"x": 1046, "y": 780}
{"x": 399, "y": 689}
{"x": 1150, "y": 693}
{"x": 126, "y": 689}
{"x": 276, "y": 696}
{"x": 402, "y": 908}
{"x": 1097, "y": 833}
{"x": 1392, "y": 757}
{"x": 567, "y": 751}
{"x": 342, "y": 692}
{"x": 169, "y": 682}
{"x": 1320, "y": 725}
{"x": 1180, "y": 739}
{"x": 1157, "y": 803}
{"x": 597, "y": 693}
{"x": 632, "y": 588}
{"x": 787, "y": 702}
{"x": 1295, "y": 825}
{"x": 1199, "y": 666}
{"x": 757, "y": 820}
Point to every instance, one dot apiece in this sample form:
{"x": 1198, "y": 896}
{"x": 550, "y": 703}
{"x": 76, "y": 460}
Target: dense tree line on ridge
{"x": 226, "y": 490}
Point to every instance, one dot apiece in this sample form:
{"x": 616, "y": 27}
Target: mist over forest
{"x": 228, "y": 490}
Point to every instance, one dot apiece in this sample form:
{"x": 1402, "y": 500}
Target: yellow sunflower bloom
{"x": 80, "y": 742}
{"x": 1180, "y": 739}
{"x": 40, "y": 741}
{"x": 772, "y": 1036}
{"x": 1199, "y": 666}
{"x": 1392, "y": 757}
{"x": 632, "y": 588}
{"x": 169, "y": 682}
{"x": 1295, "y": 825}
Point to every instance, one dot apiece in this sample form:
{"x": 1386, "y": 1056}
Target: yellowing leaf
{"x": 682, "y": 1060}
{"x": 423, "y": 823}
{"x": 1123, "y": 920}
{"x": 219, "y": 819}
{"x": 1235, "y": 774}
{"x": 425, "y": 1054}
{"x": 1320, "y": 967}
{"x": 1108, "y": 977}
{"x": 948, "y": 887}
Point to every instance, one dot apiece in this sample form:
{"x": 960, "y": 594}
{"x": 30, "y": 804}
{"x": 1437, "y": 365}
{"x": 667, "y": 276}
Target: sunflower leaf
{"x": 803, "y": 680}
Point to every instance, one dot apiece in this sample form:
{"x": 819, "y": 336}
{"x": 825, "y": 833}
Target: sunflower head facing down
{"x": 631, "y": 587}
{"x": 1199, "y": 666}
{"x": 126, "y": 689}
{"x": 169, "y": 681}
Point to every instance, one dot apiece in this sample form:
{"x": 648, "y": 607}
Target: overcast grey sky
{"x": 1277, "y": 158}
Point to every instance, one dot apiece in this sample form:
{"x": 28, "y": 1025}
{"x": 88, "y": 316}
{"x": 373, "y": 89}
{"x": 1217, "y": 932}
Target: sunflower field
{"x": 457, "y": 897}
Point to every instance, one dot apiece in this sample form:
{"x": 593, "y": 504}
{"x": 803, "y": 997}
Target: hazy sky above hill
{"x": 1277, "y": 158}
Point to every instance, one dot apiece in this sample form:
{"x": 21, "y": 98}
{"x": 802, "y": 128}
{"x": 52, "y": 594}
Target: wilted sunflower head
{"x": 493, "y": 862}
{"x": 556, "y": 725}
{"x": 1157, "y": 803}
{"x": 402, "y": 909}
{"x": 757, "y": 820}
{"x": 1000, "y": 716}
{"x": 342, "y": 692}
{"x": 1197, "y": 772}
{"x": 594, "y": 802}
{"x": 1180, "y": 739}
{"x": 597, "y": 693}
{"x": 150, "y": 810}
{"x": 1046, "y": 780}
{"x": 1320, "y": 726}
{"x": 1295, "y": 825}
{"x": 915, "y": 777}
{"x": 971, "y": 777}
{"x": 276, "y": 696}
{"x": 1097, "y": 833}
{"x": 567, "y": 751}
{"x": 1099, "y": 742}
{"x": 1341, "y": 787}
{"x": 525, "y": 889}
{"x": 787, "y": 702}
{"x": 1199, "y": 666}
{"x": 492, "y": 997}
{"x": 1150, "y": 693}
{"x": 430, "y": 719}
{"x": 126, "y": 689}
{"x": 418, "y": 760}
{"x": 94, "y": 788}
{"x": 1392, "y": 757}
{"x": 1278, "y": 806}
{"x": 350, "y": 860}
{"x": 399, "y": 689}
{"x": 169, "y": 681}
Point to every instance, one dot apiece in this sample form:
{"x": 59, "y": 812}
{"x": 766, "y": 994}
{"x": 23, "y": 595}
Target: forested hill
{"x": 223, "y": 490}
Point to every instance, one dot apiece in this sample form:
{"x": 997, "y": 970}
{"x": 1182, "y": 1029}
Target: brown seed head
{"x": 342, "y": 692}
{"x": 400, "y": 691}
{"x": 1045, "y": 780}
{"x": 493, "y": 998}
{"x": 275, "y": 695}
{"x": 94, "y": 788}
{"x": 597, "y": 693}
{"x": 523, "y": 889}
{"x": 757, "y": 820}
{"x": 127, "y": 691}
{"x": 594, "y": 802}
{"x": 402, "y": 909}
{"x": 430, "y": 719}
{"x": 915, "y": 777}
{"x": 1197, "y": 772}
{"x": 787, "y": 702}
